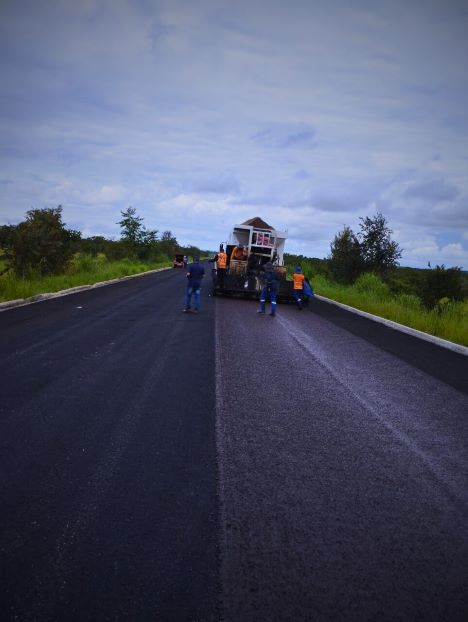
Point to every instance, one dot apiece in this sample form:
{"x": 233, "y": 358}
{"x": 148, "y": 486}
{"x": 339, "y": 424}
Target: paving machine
{"x": 251, "y": 245}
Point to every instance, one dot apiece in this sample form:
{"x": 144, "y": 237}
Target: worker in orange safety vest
{"x": 298, "y": 291}
{"x": 221, "y": 263}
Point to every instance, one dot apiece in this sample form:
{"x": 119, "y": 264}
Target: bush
{"x": 83, "y": 263}
{"x": 442, "y": 283}
{"x": 40, "y": 244}
{"x": 370, "y": 285}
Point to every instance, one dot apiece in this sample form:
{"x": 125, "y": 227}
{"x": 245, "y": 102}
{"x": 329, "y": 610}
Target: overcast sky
{"x": 202, "y": 114}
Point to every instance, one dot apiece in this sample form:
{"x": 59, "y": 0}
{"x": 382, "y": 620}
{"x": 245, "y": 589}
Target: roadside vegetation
{"x": 83, "y": 270}
{"x": 40, "y": 255}
{"x": 362, "y": 271}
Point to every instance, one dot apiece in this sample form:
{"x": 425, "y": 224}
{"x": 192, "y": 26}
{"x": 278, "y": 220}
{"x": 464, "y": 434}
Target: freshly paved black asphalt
{"x": 442, "y": 363}
{"x": 225, "y": 466}
{"x": 343, "y": 475}
{"x": 109, "y": 505}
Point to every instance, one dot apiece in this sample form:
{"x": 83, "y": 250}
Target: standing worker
{"x": 298, "y": 292}
{"x": 195, "y": 274}
{"x": 221, "y": 262}
{"x": 270, "y": 287}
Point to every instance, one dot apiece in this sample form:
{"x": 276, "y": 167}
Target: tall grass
{"x": 83, "y": 270}
{"x": 449, "y": 320}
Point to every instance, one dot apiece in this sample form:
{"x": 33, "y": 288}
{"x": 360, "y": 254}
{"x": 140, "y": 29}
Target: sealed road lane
{"x": 108, "y": 466}
{"x": 343, "y": 474}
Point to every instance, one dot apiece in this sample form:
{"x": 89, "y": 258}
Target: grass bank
{"x": 83, "y": 270}
{"x": 449, "y": 320}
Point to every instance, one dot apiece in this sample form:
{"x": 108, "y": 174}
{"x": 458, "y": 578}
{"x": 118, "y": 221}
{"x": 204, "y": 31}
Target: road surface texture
{"x": 108, "y": 461}
{"x": 227, "y": 466}
{"x": 343, "y": 470}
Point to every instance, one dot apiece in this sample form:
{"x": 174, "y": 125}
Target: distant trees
{"x": 371, "y": 250}
{"x": 139, "y": 242}
{"x": 168, "y": 244}
{"x": 42, "y": 245}
{"x": 144, "y": 244}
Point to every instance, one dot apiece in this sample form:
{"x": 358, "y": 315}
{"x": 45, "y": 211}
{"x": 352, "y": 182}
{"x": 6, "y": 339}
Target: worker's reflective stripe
{"x": 222, "y": 258}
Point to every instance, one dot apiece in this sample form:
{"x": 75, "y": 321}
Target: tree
{"x": 139, "y": 241}
{"x": 379, "y": 251}
{"x": 131, "y": 226}
{"x": 40, "y": 243}
{"x": 7, "y": 235}
{"x": 168, "y": 244}
{"x": 345, "y": 261}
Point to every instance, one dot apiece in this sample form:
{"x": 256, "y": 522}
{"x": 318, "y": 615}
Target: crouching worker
{"x": 270, "y": 287}
{"x": 298, "y": 291}
{"x": 195, "y": 274}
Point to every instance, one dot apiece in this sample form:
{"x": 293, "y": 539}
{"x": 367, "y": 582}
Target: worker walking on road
{"x": 298, "y": 292}
{"x": 270, "y": 287}
{"x": 195, "y": 275}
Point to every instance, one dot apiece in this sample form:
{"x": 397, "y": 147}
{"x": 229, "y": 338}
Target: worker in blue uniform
{"x": 195, "y": 274}
{"x": 270, "y": 288}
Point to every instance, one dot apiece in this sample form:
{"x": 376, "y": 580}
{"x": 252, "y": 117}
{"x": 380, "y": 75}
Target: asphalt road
{"x": 163, "y": 466}
{"x": 109, "y": 480}
{"x": 343, "y": 469}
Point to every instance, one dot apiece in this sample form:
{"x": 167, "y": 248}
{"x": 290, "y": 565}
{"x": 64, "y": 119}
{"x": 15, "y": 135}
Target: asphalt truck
{"x": 251, "y": 245}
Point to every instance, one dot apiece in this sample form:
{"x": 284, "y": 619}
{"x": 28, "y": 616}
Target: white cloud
{"x": 106, "y": 194}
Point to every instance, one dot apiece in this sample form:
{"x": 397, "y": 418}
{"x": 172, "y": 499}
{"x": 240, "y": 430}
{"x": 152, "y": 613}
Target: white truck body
{"x": 258, "y": 237}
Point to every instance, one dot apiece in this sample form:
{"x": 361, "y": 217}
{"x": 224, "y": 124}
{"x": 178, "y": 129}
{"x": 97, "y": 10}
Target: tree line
{"x": 42, "y": 244}
{"x": 372, "y": 250}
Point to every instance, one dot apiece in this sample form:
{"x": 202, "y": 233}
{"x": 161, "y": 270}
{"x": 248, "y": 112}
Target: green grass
{"x": 448, "y": 321}
{"x": 84, "y": 270}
